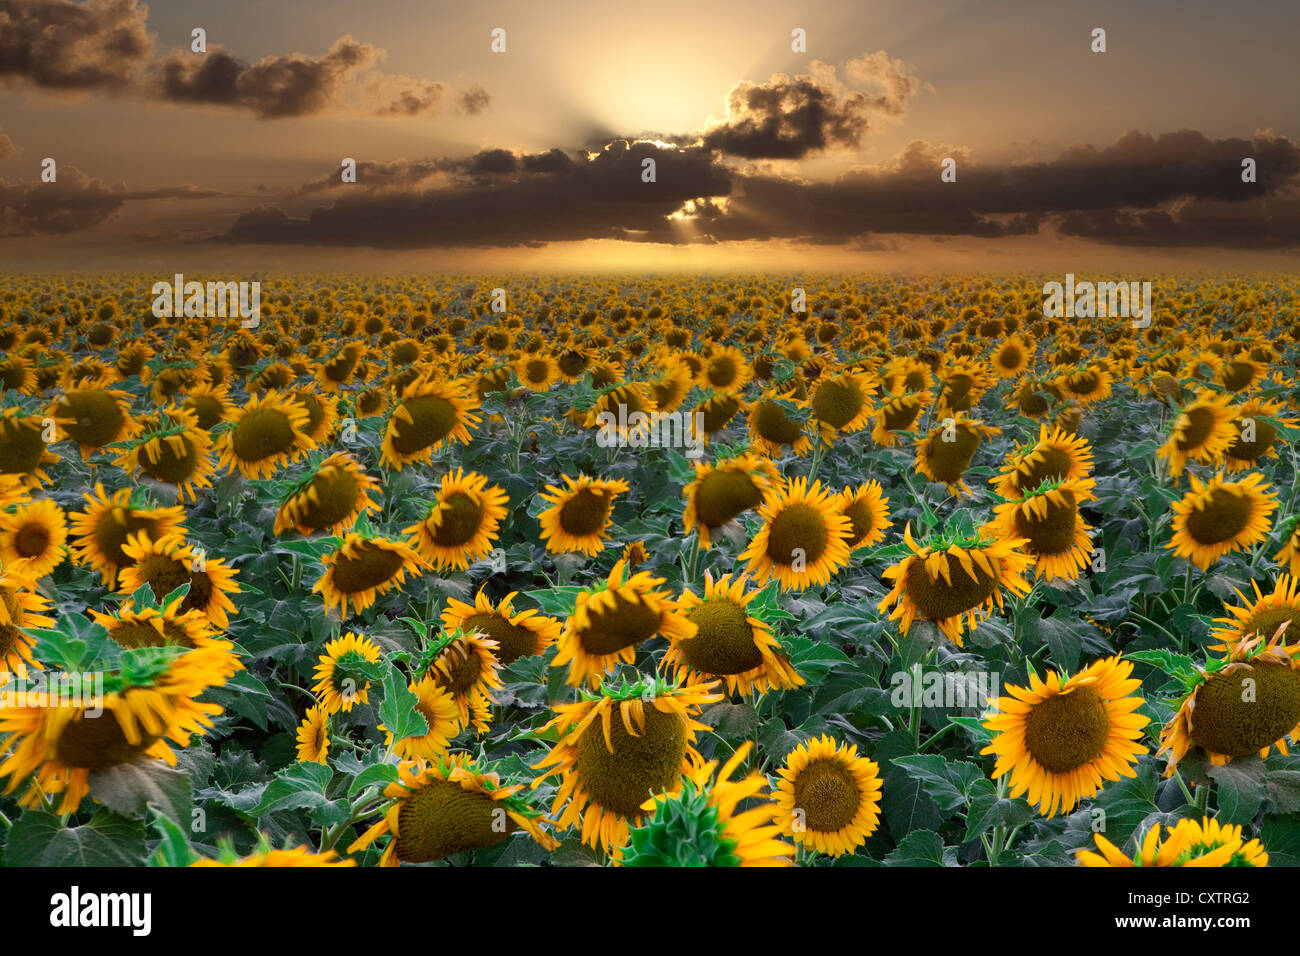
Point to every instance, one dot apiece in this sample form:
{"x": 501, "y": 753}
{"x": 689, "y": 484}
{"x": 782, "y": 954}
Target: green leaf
{"x": 1240, "y": 786}
{"x": 378, "y": 775}
{"x": 130, "y": 788}
{"x": 38, "y": 838}
{"x": 950, "y": 784}
{"x": 301, "y": 786}
{"x": 988, "y": 810}
{"x": 174, "y": 850}
{"x": 921, "y": 848}
{"x": 397, "y": 710}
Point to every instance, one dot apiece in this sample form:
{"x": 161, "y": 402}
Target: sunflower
{"x": 537, "y": 372}
{"x": 342, "y": 672}
{"x": 772, "y": 430}
{"x": 1048, "y": 520}
{"x": 1088, "y": 385}
{"x": 314, "y": 736}
{"x": 724, "y": 490}
{"x": 329, "y": 499}
{"x": 580, "y": 514}
{"x": 617, "y": 748}
{"x": 1030, "y": 397}
{"x": 21, "y": 607}
{"x": 728, "y": 643}
{"x": 1186, "y": 843}
{"x": 670, "y": 389}
{"x": 301, "y": 856}
{"x": 23, "y": 448}
{"x": 1055, "y": 456}
{"x": 363, "y": 568}
{"x": 840, "y": 404}
{"x": 174, "y": 454}
{"x": 269, "y": 432}
{"x": 154, "y": 627}
{"x": 1244, "y": 703}
{"x": 828, "y": 797}
{"x": 613, "y": 617}
{"x": 455, "y": 805}
{"x": 964, "y": 382}
{"x": 95, "y": 416}
{"x": 1061, "y": 738}
{"x": 1289, "y": 556}
{"x": 523, "y": 634}
{"x": 1203, "y": 432}
{"x": 1012, "y": 357}
{"x": 60, "y": 744}
{"x": 467, "y": 668}
{"x": 804, "y": 537}
{"x": 951, "y": 582}
{"x": 33, "y": 534}
{"x": 725, "y": 369}
{"x": 322, "y": 414}
{"x": 431, "y": 412}
{"x": 898, "y": 414}
{"x": 1262, "y": 616}
{"x": 699, "y": 825}
{"x": 1222, "y": 516}
{"x": 437, "y": 706}
{"x": 1257, "y": 419}
{"x": 103, "y": 529}
{"x": 867, "y": 509}
{"x": 209, "y": 404}
{"x": 167, "y": 563}
{"x": 635, "y": 553}
{"x": 463, "y": 522}
{"x": 371, "y": 402}
{"x": 947, "y": 451}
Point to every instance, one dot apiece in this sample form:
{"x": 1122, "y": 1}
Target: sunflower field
{"x": 637, "y": 571}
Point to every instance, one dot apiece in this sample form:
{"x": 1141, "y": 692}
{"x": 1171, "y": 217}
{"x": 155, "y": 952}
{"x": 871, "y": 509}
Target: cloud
{"x": 73, "y": 202}
{"x": 791, "y": 117}
{"x": 7, "y": 147}
{"x": 396, "y": 95}
{"x": 273, "y": 87}
{"x": 60, "y": 45}
{"x": 474, "y": 100}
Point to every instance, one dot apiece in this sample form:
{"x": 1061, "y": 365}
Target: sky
{"x": 767, "y": 153}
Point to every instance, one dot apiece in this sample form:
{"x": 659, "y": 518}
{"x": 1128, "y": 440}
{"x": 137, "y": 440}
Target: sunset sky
{"x": 766, "y": 158}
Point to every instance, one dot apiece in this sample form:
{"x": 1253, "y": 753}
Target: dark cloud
{"x": 273, "y": 87}
{"x": 178, "y": 192}
{"x": 474, "y": 100}
{"x": 1173, "y": 189}
{"x": 791, "y": 117}
{"x": 60, "y": 45}
{"x": 73, "y": 202}
{"x": 501, "y": 199}
{"x": 396, "y": 95}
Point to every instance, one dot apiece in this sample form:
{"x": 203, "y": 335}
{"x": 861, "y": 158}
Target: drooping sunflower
{"x": 1187, "y": 843}
{"x": 95, "y": 416}
{"x": 947, "y": 451}
{"x": 269, "y": 432}
{"x": 840, "y": 404}
{"x": 329, "y": 499}
{"x": 1202, "y": 432}
{"x": 173, "y": 454}
{"x": 154, "y": 627}
{"x": 437, "y": 706}
{"x": 167, "y": 563}
{"x": 1256, "y": 425}
{"x": 867, "y": 509}
{"x": 209, "y": 404}
{"x": 1061, "y": 738}
{"x": 954, "y": 582}
{"x": 804, "y": 537}
{"x": 314, "y": 736}
{"x": 828, "y": 797}
{"x": 467, "y": 668}
{"x": 431, "y": 412}
{"x": 729, "y": 644}
{"x": 450, "y": 807}
{"x": 463, "y": 521}
{"x": 1055, "y": 456}
{"x": 964, "y": 381}
{"x": 23, "y": 448}
{"x": 699, "y": 825}
{"x": 898, "y": 414}
{"x": 342, "y": 674}
{"x": 363, "y": 568}
{"x": 617, "y": 748}
{"x": 59, "y": 744}
{"x": 724, "y": 490}
{"x": 322, "y": 414}
{"x": 1214, "y": 519}
{"x": 1245, "y": 702}
{"x": 717, "y": 410}
{"x": 102, "y": 530}
{"x": 611, "y": 619}
{"x": 771, "y": 429}
{"x": 33, "y": 534}
{"x": 580, "y": 514}
{"x": 1048, "y": 520}
{"x": 21, "y": 607}
{"x": 517, "y": 634}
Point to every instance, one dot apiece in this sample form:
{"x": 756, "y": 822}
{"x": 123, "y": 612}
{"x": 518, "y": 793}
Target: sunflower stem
{"x": 297, "y": 573}
{"x": 1182, "y": 785}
